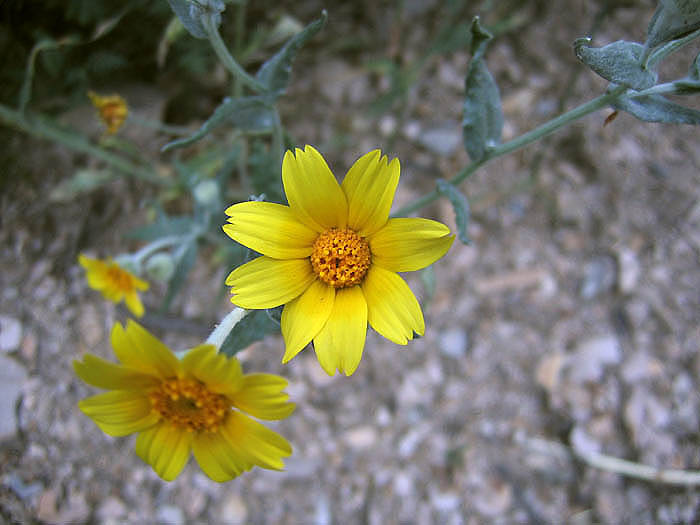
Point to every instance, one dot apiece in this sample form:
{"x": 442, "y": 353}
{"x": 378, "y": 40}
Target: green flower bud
{"x": 160, "y": 267}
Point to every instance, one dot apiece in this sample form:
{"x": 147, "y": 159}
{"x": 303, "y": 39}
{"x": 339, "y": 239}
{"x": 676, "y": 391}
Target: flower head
{"x": 332, "y": 257}
{"x": 195, "y": 404}
{"x": 112, "y": 110}
{"x": 114, "y": 282}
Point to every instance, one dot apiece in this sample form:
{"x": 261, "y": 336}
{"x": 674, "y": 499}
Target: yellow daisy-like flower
{"x": 112, "y": 110}
{"x": 332, "y": 257}
{"x": 195, "y": 404}
{"x": 114, "y": 282}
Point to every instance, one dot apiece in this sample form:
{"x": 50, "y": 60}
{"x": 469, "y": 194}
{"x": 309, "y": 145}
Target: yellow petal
{"x": 262, "y": 396}
{"x": 166, "y": 448}
{"x": 120, "y": 413}
{"x": 266, "y": 283}
{"x": 270, "y": 229}
{"x": 133, "y": 303}
{"x": 392, "y": 309}
{"x": 370, "y": 186}
{"x": 217, "y": 458}
{"x": 98, "y": 372}
{"x": 256, "y": 441}
{"x": 313, "y": 193}
{"x": 136, "y": 348}
{"x": 221, "y": 374}
{"x": 304, "y": 317}
{"x": 406, "y": 245}
{"x": 340, "y": 342}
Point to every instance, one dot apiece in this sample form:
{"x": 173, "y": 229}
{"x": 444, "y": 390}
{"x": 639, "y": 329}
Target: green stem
{"x": 40, "y": 127}
{"x": 519, "y": 142}
{"x": 226, "y": 59}
{"x": 238, "y": 44}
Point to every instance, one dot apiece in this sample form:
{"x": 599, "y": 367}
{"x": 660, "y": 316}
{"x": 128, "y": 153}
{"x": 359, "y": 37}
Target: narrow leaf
{"x": 655, "y": 108}
{"x": 249, "y": 114}
{"x": 461, "y": 207}
{"x": 164, "y": 226}
{"x": 672, "y": 19}
{"x": 619, "y": 62}
{"x": 479, "y": 38}
{"x": 276, "y": 72}
{"x": 186, "y": 256}
{"x": 190, "y": 13}
{"x": 82, "y": 182}
{"x": 253, "y": 327}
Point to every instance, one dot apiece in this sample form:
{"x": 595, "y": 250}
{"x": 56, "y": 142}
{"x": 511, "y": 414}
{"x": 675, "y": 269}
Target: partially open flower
{"x": 114, "y": 282}
{"x": 196, "y": 404}
{"x": 332, "y": 257}
{"x": 112, "y": 110}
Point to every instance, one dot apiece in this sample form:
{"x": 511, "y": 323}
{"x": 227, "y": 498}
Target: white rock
{"x": 12, "y": 378}
{"x": 453, "y": 342}
{"x": 442, "y": 140}
{"x": 234, "y": 510}
{"x": 10, "y": 333}
{"x": 592, "y": 356}
{"x": 629, "y": 270}
{"x": 171, "y": 515}
{"x": 361, "y": 437}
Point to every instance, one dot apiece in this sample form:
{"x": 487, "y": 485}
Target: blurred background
{"x": 570, "y": 322}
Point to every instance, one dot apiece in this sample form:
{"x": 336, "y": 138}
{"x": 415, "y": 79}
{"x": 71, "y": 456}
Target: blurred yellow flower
{"x": 195, "y": 404}
{"x": 112, "y": 110}
{"x": 114, "y": 282}
{"x": 332, "y": 257}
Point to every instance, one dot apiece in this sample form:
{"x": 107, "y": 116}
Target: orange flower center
{"x": 120, "y": 278}
{"x": 188, "y": 404}
{"x": 340, "y": 257}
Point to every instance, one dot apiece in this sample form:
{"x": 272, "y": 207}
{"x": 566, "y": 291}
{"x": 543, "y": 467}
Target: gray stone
{"x": 453, "y": 342}
{"x": 443, "y": 140}
{"x": 12, "y": 378}
{"x": 10, "y": 333}
{"x": 171, "y": 515}
{"x": 592, "y": 356}
{"x": 599, "y": 276}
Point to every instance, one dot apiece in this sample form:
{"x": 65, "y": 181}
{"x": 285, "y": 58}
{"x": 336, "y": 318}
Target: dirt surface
{"x": 570, "y": 322}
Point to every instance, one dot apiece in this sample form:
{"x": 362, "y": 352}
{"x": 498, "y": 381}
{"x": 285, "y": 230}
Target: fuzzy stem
{"x": 220, "y": 333}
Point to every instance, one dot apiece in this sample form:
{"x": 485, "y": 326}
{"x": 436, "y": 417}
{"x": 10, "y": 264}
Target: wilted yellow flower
{"x": 332, "y": 257}
{"x": 195, "y": 404}
{"x": 112, "y": 109}
{"x": 114, "y": 282}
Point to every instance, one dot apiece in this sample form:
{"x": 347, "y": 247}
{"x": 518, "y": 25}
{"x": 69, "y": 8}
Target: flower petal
{"x": 262, "y": 396}
{"x": 136, "y": 348}
{"x": 392, "y": 309}
{"x": 252, "y": 440}
{"x": 304, "y": 317}
{"x": 270, "y": 229}
{"x": 120, "y": 413}
{"x": 133, "y": 303}
{"x": 313, "y": 193}
{"x": 370, "y": 185}
{"x": 266, "y": 283}
{"x": 406, "y": 245}
{"x": 340, "y": 342}
{"x": 98, "y": 372}
{"x": 217, "y": 458}
{"x": 166, "y": 448}
{"x": 221, "y": 374}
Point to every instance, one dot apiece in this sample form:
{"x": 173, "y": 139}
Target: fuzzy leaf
{"x": 276, "y": 72}
{"x": 253, "y": 327}
{"x": 186, "y": 256}
{"x": 250, "y": 114}
{"x": 482, "y": 116}
{"x": 655, "y": 108}
{"x": 619, "y": 62}
{"x": 461, "y": 207}
{"x": 164, "y": 226}
{"x": 82, "y": 182}
{"x": 672, "y": 19}
{"x": 190, "y": 13}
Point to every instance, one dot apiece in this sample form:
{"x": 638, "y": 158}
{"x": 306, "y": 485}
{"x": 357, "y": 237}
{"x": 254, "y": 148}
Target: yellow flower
{"x": 114, "y": 282}
{"x": 178, "y": 406}
{"x": 112, "y": 110}
{"x": 332, "y": 257}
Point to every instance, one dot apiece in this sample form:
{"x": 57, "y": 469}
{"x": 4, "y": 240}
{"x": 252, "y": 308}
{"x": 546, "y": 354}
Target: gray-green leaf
{"x": 190, "y": 13}
{"x": 249, "y": 114}
{"x": 672, "y": 18}
{"x": 619, "y": 62}
{"x": 275, "y": 73}
{"x": 253, "y": 327}
{"x": 482, "y": 117}
{"x": 461, "y": 207}
{"x": 655, "y": 108}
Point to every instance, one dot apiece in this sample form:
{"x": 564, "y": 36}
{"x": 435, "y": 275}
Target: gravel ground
{"x": 570, "y": 323}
